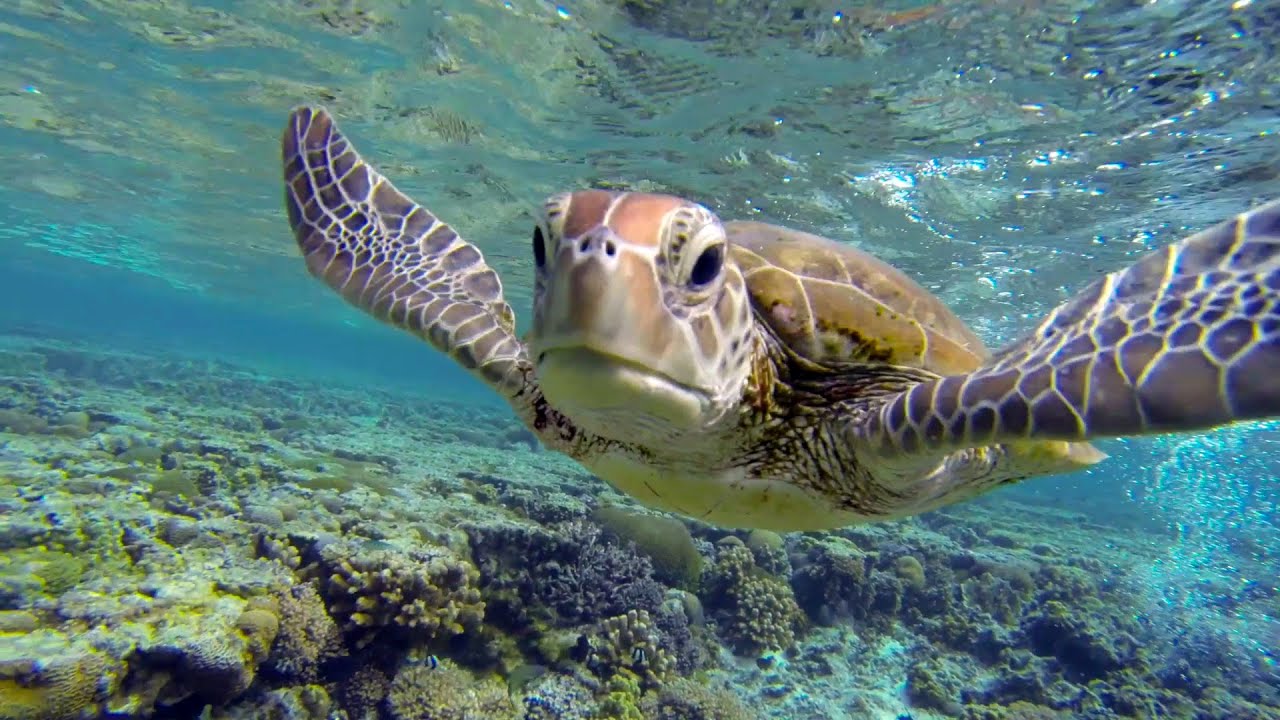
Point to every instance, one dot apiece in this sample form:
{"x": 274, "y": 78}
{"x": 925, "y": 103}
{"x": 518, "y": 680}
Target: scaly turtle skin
{"x": 754, "y": 376}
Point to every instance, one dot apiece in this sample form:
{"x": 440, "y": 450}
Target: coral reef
{"x": 164, "y": 654}
{"x": 168, "y": 555}
{"x": 41, "y": 676}
{"x": 566, "y": 574}
{"x": 300, "y": 702}
{"x": 419, "y": 596}
{"x": 307, "y": 636}
{"x": 686, "y": 699}
{"x": 834, "y": 581}
{"x": 560, "y": 697}
{"x": 756, "y": 611}
{"x": 444, "y": 692}
{"x": 362, "y": 691}
{"x": 681, "y": 622}
{"x": 665, "y": 540}
{"x": 630, "y": 643}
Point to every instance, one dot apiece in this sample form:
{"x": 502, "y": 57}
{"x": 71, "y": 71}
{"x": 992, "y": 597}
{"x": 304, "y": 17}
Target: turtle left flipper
{"x": 392, "y": 258}
{"x": 1187, "y": 338}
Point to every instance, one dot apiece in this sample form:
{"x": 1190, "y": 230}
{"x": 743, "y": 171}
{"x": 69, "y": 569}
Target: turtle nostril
{"x": 598, "y": 242}
{"x": 707, "y": 267}
{"x": 539, "y": 248}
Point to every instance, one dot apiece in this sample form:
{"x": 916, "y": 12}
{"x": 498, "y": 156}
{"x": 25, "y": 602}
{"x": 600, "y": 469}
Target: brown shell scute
{"x": 831, "y": 301}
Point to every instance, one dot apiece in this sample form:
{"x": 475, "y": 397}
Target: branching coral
{"x": 993, "y": 595}
{"x": 683, "y": 632}
{"x": 363, "y": 691}
{"x": 757, "y": 612}
{"x": 631, "y": 643}
{"x": 308, "y": 635}
{"x": 425, "y": 594}
{"x": 599, "y": 578}
{"x": 278, "y": 550}
{"x": 570, "y": 576}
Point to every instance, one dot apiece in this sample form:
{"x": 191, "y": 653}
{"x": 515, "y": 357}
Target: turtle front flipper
{"x": 390, "y": 257}
{"x": 1187, "y": 338}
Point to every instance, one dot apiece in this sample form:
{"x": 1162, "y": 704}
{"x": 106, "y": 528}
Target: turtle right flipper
{"x": 390, "y": 257}
{"x": 1187, "y": 338}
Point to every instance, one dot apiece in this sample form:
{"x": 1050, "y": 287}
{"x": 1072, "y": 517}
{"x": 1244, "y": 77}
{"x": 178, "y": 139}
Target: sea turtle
{"x": 750, "y": 375}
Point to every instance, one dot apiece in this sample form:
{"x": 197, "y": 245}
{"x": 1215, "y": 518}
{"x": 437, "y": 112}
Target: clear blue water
{"x": 1003, "y": 153}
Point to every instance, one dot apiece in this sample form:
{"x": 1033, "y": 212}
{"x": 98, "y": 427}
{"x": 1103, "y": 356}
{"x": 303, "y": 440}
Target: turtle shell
{"x": 828, "y": 301}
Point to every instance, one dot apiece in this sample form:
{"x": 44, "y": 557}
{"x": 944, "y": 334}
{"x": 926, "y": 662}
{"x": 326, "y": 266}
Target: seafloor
{"x": 189, "y": 539}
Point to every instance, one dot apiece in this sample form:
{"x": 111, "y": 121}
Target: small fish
{"x": 431, "y": 661}
{"x": 638, "y": 656}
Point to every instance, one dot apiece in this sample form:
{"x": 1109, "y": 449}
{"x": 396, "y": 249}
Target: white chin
{"x": 618, "y": 399}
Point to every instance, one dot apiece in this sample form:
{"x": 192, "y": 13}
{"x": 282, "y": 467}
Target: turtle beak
{"x": 604, "y": 340}
{"x": 603, "y": 297}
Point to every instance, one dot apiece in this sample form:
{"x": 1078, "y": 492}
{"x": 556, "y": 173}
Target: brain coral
{"x": 664, "y": 540}
{"x": 50, "y": 681}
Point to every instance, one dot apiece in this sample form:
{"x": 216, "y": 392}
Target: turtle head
{"x": 642, "y": 324}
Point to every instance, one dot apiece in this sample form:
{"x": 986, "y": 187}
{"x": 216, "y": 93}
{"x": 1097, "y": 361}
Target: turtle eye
{"x": 707, "y": 267}
{"x": 539, "y": 249}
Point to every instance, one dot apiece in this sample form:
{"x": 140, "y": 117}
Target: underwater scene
{"x": 639, "y": 359}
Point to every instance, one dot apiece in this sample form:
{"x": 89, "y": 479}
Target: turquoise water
{"x": 196, "y": 436}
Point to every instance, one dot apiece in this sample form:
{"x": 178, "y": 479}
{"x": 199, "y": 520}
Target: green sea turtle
{"x": 754, "y": 376}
